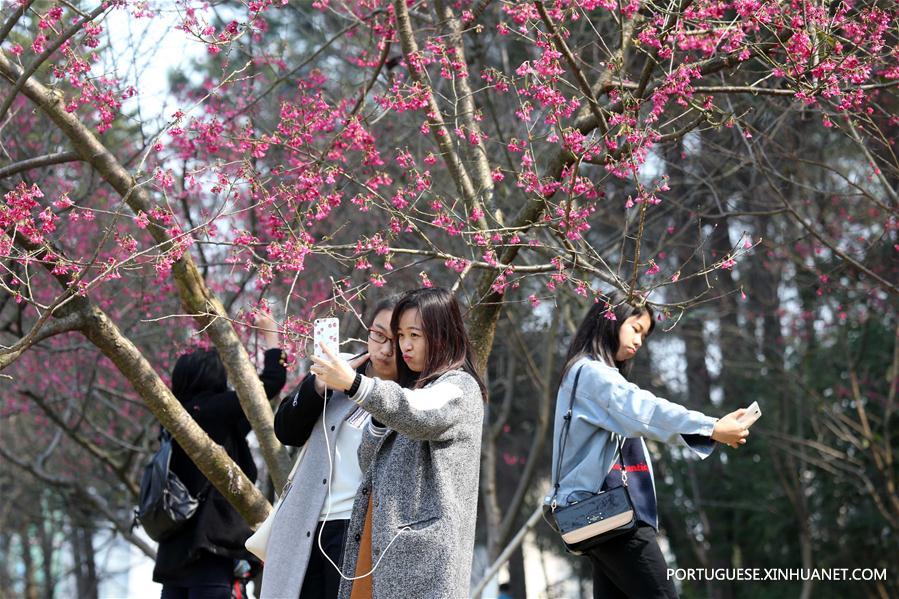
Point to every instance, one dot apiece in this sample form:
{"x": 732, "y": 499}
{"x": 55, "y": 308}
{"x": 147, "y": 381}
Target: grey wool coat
{"x": 420, "y": 456}
{"x": 293, "y": 530}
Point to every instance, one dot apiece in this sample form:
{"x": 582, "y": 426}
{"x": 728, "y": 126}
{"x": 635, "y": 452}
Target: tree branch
{"x": 434, "y": 118}
{"x": 31, "y": 70}
{"x": 38, "y": 162}
{"x": 13, "y": 19}
{"x": 206, "y": 309}
{"x": 210, "y": 457}
{"x": 71, "y": 322}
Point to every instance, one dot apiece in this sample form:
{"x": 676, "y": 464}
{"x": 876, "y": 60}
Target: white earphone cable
{"x": 328, "y": 510}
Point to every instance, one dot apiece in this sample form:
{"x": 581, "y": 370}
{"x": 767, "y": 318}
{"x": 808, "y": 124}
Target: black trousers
{"x": 631, "y": 566}
{"x": 208, "y": 577}
{"x": 206, "y": 591}
{"x": 322, "y": 581}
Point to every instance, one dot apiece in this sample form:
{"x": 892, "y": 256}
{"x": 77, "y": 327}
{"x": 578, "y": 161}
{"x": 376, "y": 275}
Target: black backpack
{"x": 165, "y": 503}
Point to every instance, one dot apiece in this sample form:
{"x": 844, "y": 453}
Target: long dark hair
{"x": 444, "y": 331}
{"x": 597, "y": 335}
{"x": 200, "y": 371}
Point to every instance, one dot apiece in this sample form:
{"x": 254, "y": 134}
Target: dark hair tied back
{"x": 597, "y": 335}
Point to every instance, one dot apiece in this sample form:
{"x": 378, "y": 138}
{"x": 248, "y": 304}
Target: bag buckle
{"x": 553, "y": 506}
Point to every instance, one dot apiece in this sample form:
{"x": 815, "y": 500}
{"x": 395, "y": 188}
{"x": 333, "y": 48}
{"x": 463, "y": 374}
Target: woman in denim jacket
{"x": 608, "y": 409}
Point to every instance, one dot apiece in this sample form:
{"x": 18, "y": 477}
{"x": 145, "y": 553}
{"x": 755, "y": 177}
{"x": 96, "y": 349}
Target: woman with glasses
{"x": 314, "y": 514}
{"x": 412, "y": 528}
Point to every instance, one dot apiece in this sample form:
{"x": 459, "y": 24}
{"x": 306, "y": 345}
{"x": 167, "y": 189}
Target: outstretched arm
{"x": 428, "y": 414}
{"x": 431, "y": 413}
{"x": 609, "y": 401}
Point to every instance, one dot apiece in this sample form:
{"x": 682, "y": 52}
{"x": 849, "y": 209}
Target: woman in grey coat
{"x": 412, "y": 529}
{"x": 295, "y": 566}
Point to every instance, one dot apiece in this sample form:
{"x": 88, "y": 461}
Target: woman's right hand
{"x": 730, "y": 431}
{"x": 320, "y": 387}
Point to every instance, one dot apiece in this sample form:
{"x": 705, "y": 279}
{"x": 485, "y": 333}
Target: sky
{"x": 146, "y": 51}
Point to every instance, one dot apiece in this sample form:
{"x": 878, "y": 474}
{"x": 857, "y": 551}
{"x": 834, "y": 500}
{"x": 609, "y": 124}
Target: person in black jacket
{"x": 198, "y": 562}
{"x": 311, "y": 513}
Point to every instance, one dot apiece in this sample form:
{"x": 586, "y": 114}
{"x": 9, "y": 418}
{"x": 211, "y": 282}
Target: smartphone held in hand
{"x": 753, "y": 413}
{"x": 325, "y": 331}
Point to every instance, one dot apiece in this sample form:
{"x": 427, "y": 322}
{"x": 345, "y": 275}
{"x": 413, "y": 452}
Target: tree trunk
{"x": 699, "y": 381}
{"x": 737, "y": 355}
{"x": 490, "y": 494}
{"x": 31, "y": 589}
{"x": 482, "y": 323}
{"x": 210, "y": 457}
{"x": 5, "y": 558}
{"x": 46, "y": 528}
{"x": 517, "y": 581}
{"x": 502, "y": 524}
{"x": 85, "y": 562}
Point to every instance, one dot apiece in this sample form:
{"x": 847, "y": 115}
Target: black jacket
{"x": 300, "y": 410}
{"x": 216, "y": 528}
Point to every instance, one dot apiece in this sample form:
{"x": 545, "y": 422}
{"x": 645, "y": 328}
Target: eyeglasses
{"x": 378, "y": 337}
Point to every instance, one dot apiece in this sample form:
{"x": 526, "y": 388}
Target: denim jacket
{"x": 606, "y": 409}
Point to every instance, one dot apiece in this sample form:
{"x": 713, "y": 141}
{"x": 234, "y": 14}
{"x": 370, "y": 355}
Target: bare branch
{"x": 38, "y": 162}
{"x": 195, "y": 295}
{"x": 435, "y": 118}
{"x": 13, "y": 19}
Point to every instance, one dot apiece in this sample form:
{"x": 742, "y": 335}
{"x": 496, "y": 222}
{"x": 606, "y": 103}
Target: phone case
{"x": 325, "y": 331}
{"x": 753, "y": 414}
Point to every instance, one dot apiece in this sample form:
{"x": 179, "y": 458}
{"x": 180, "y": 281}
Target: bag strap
{"x": 166, "y": 437}
{"x": 563, "y": 438}
{"x": 289, "y": 482}
{"x": 621, "y": 462}
{"x": 563, "y": 441}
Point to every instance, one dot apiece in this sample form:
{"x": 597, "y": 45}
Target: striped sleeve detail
{"x": 376, "y": 431}
{"x": 364, "y": 390}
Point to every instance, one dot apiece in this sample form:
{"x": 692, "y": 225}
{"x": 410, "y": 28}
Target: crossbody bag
{"x": 602, "y": 516}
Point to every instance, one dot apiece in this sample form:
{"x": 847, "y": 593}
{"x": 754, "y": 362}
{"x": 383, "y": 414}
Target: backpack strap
{"x": 166, "y": 437}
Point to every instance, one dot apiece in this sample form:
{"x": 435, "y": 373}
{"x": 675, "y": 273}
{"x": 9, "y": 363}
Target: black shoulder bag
{"x": 165, "y": 503}
{"x": 602, "y": 516}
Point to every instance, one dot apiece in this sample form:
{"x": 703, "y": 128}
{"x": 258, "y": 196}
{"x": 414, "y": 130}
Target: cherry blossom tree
{"x": 530, "y": 155}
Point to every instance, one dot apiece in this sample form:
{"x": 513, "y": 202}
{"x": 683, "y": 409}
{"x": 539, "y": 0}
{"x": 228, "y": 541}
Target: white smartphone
{"x": 753, "y": 413}
{"x": 325, "y": 331}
